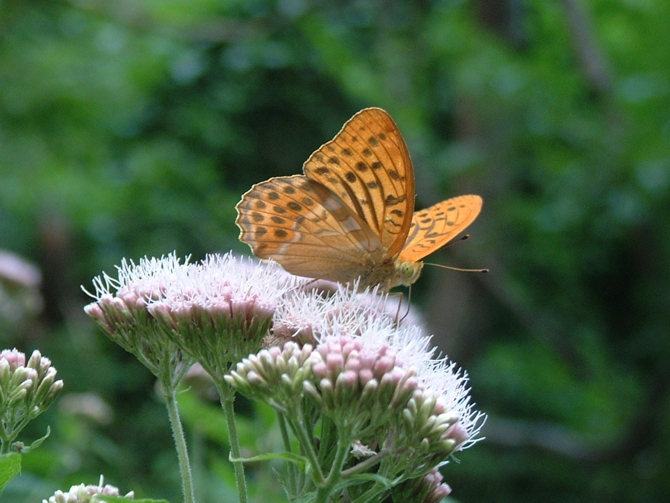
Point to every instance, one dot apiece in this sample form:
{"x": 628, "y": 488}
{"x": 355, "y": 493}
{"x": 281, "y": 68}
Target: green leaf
{"x": 301, "y": 461}
{"x": 10, "y": 467}
{"x": 372, "y": 477}
{"x": 35, "y": 444}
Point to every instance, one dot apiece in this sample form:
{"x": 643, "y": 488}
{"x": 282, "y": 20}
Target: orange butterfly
{"x": 351, "y": 215}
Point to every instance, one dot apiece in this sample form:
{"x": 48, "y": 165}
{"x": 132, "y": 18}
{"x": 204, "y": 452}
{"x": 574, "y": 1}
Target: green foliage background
{"x": 131, "y": 128}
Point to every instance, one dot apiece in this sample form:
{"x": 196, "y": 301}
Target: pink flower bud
{"x": 457, "y": 433}
{"x": 366, "y": 375}
{"x": 14, "y": 358}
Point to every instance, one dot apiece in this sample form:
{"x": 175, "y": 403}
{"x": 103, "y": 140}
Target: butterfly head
{"x": 406, "y": 273}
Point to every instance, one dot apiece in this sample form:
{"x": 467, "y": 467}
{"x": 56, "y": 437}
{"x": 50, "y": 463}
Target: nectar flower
{"x": 359, "y": 384}
{"x": 221, "y": 309}
{"x": 275, "y": 375}
{"x": 308, "y": 315}
{"x": 215, "y": 311}
{"x": 87, "y": 494}
{"x": 397, "y": 411}
{"x": 26, "y": 390}
{"x": 121, "y": 310}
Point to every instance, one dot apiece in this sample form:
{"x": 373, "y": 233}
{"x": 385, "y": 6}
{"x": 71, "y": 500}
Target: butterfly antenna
{"x": 462, "y": 238}
{"x": 456, "y": 268}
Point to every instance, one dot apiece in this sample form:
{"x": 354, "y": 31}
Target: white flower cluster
{"x": 352, "y": 365}
{"x": 86, "y": 494}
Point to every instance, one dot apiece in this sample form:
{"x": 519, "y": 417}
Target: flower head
{"x": 310, "y": 315}
{"x": 402, "y": 410}
{"x": 87, "y": 494}
{"x": 274, "y": 375}
{"x": 215, "y": 311}
{"x": 26, "y": 390}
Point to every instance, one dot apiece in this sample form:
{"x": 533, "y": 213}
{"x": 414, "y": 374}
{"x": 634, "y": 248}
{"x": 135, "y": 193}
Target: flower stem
{"x": 227, "y": 397}
{"x": 180, "y": 445}
{"x": 325, "y": 490}
{"x": 292, "y": 471}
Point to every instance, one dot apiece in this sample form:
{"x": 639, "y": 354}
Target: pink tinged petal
{"x": 441, "y": 492}
{"x": 335, "y": 362}
{"x": 183, "y": 312}
{"x": 350, "y": 347}
{"x": 153, "y": 289}
{"x": 132, "y": 299}
{"x": 384, "y": 364}
{"x": 274, "y": 351}
{"x": 458, "y": 433}
{"x": 45, "y": 366}
{"x": 388, "y": 380}
{"x": 440, "y": 407}
{"x": 368, "y": 359}
{"x": 410, "y": 384}
{"x": 366, "y": 375}
{"x": 353, "y": 362}
{"x": 14, "y": 358}
{"x": 343, "y": 392}
{"x": 160, "y": 311}
{"x": 438, "y": 490}
{"x": 320, "y": 369}
{"x": 120, "y": 308}
{"x": 243, "y": 308}
{"x": 94, "y": 311}
{"x": 350, "y": 378}
{"x": 226, "y": 292}
{"x": 264, "y": 310}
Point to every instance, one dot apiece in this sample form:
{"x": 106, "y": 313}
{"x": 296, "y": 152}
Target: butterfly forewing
{"x": 306, "y": 228}
{"x": 434, "y": 227}
{"x": 368, "y": 166}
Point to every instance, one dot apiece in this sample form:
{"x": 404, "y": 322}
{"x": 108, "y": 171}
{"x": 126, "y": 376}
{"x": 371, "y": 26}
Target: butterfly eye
{"x": 409, "y": 272}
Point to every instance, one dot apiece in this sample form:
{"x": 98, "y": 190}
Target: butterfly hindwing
{"x": 310, "y": 231}
{"x": 434, "y": 227}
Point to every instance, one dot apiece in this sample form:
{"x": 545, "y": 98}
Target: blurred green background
{"x": 132, "y": 128}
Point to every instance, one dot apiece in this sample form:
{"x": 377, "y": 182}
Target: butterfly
{"x": 351, "y": 215}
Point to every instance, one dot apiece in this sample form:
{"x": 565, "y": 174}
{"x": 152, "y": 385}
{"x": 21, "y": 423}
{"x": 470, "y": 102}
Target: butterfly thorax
{"x": 389, "y": 274}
